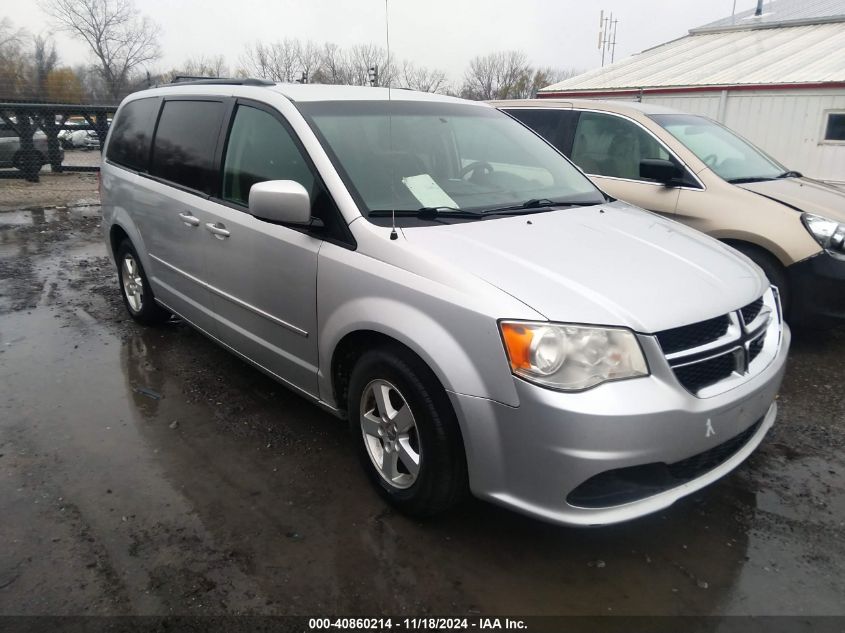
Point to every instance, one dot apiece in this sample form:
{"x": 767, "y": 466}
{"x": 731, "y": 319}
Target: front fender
{"x": 453, "y": 331}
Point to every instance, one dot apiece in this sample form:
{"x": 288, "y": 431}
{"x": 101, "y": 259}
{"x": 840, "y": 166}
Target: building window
{"x": 835, "y": 127}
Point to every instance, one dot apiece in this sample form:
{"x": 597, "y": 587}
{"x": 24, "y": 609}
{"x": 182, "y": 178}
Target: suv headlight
{"x": 571, "y": 357}
{"x": 828, "y": 233}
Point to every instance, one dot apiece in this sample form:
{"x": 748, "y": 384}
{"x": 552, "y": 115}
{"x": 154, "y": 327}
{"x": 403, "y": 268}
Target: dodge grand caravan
{"x": 442, "y": 277}
{"x": 699, "y": 172}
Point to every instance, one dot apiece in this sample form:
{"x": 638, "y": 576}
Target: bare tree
{"x": 362, "y": 57}
{"x": 120, "y": 38}
{"x": 13, "y": 61}
{"x": 335, "y": 67}
{"x": 495, "y": 76}
{"x": 202, "y": 66}
{"x": 310, "y": 59}
{"x": 45, "y": 60}
{"x": 277, "y": 61}
{"x": 423, "y": 79}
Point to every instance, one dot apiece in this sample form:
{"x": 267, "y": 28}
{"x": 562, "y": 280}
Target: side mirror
{"x": 665, "y": 172}
{"x": 283, "y": 201}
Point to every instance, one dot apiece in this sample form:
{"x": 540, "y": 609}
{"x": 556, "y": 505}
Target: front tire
{"x": 135, "y": 288}
{"x": 408, "y": 437}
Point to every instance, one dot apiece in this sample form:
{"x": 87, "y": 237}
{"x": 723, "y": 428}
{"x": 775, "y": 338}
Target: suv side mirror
{"x": 283, "y": 201}
{"x": 665, "y": 172}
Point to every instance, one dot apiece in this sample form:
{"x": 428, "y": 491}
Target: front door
{"x": 263, "y": 276}
{"x": 609, "y": 149}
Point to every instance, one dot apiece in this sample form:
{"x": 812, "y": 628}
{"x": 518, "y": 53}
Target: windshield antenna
{"x": 393, "y": 234}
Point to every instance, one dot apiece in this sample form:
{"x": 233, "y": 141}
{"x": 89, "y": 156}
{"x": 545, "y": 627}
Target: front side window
{"x": 183, "y": 149}
{"x": 835, "y": 128}
{"x": 409, "y": 155}
{"x": 130, "y": 139}
{"x": 608, "y": 145}
{"x": 729, "y": 156}
{"x": 260, "y": 149}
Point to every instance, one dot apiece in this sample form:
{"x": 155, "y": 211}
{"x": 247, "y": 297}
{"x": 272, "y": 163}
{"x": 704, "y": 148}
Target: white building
{"x": 777, "y": 78}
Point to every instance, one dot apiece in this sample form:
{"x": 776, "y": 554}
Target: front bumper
{"x": 531, "y": 457}
{"x": 818, "y": 291}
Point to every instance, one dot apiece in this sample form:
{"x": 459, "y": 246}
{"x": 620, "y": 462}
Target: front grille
{"x": 756, "y": 347}
{"x": 695, "y": 335}
{"x": 752, "y": 311}
{"x": 710, "y": 352}
{"x": 626, "y": 485}
{"x": 708, "y": 372}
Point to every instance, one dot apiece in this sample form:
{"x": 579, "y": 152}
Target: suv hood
{"x": 610, "y": 264}
{"x": 803, "y": 194}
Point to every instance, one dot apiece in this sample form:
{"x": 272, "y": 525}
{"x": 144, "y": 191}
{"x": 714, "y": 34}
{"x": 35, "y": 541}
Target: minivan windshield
{"x": 731, "y": 157}
{"x": 453, "y": 159}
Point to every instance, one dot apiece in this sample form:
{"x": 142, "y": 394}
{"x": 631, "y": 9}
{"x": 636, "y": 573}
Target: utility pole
{"x": 607, "y": 36}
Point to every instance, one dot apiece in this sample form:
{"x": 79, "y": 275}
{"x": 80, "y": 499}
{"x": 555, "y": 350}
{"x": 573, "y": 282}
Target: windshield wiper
{"x": 535, "y": 205}
{"x": 791, "y": 174}
{"x": 426, "y": 213}
{"x": 742, "y": 181}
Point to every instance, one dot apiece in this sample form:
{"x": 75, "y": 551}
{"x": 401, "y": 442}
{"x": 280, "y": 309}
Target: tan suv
{"x": 694, "y": 170}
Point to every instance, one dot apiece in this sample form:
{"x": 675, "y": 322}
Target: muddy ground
{"x": 147, "y": 471}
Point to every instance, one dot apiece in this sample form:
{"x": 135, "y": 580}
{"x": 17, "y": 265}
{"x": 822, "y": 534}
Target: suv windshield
{"x": 731, "y": 157}
{"x": 453, "y": 158}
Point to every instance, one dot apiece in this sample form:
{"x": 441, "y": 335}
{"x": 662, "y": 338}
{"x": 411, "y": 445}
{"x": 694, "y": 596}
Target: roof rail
{"x": 196, "y": 81}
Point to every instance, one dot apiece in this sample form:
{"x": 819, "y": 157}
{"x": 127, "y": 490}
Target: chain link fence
{"x": 50, "y": 153}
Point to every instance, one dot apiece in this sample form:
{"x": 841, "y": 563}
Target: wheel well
{"x": 741, "y": 245}
{"x": 349, "y": 350}
{"x": 116, "y": 236}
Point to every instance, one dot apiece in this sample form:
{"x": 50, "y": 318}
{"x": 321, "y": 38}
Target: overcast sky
{"x": 443, "y": 34}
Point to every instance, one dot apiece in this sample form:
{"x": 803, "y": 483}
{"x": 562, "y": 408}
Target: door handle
{"x": 218, "y": 230}
{"x": 188, "y": 219}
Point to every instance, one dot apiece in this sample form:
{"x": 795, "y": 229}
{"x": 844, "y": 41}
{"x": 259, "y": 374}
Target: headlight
{"x": 571, "y": 357}
{"x": 828, "y": 233}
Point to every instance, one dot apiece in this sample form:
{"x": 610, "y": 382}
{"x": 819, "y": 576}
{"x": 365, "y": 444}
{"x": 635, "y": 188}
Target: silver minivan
{"x": 433, "y": 271}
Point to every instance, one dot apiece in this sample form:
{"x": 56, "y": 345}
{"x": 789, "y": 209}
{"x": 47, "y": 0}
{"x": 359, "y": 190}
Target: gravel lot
{"x": 147, "y": 471}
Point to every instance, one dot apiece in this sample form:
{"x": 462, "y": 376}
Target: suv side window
{"x": 555, "y": 125}
{"x": 185, "y": 140}
{"x": 607, "y": 145}
{"x": 261, "y": 148}
{"x": 133, "y": 131}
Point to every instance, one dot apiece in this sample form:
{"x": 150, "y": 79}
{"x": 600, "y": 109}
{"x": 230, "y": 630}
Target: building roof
{"x": 780, "y": 13}
{"x": 799, "y": 49}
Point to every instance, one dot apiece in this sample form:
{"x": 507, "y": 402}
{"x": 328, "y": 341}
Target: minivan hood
{"x": 804, "y": 194}
{"x": 609, "y": 264}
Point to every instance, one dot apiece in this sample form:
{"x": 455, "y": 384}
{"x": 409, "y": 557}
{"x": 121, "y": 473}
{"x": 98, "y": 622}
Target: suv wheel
{"x": 135, "y": 289}
{"x": 407, "y": 433}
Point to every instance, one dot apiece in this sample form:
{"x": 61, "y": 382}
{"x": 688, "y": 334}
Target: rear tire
{"x": 407, "y": 434}
{"x": 135, "y": 288}
{"x": 773, "y": 269}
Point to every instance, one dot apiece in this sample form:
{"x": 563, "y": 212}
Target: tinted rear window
{"x": 183, "y": 150}
{"x": 556, "y": 126}
{"x": 132, "y": 133}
